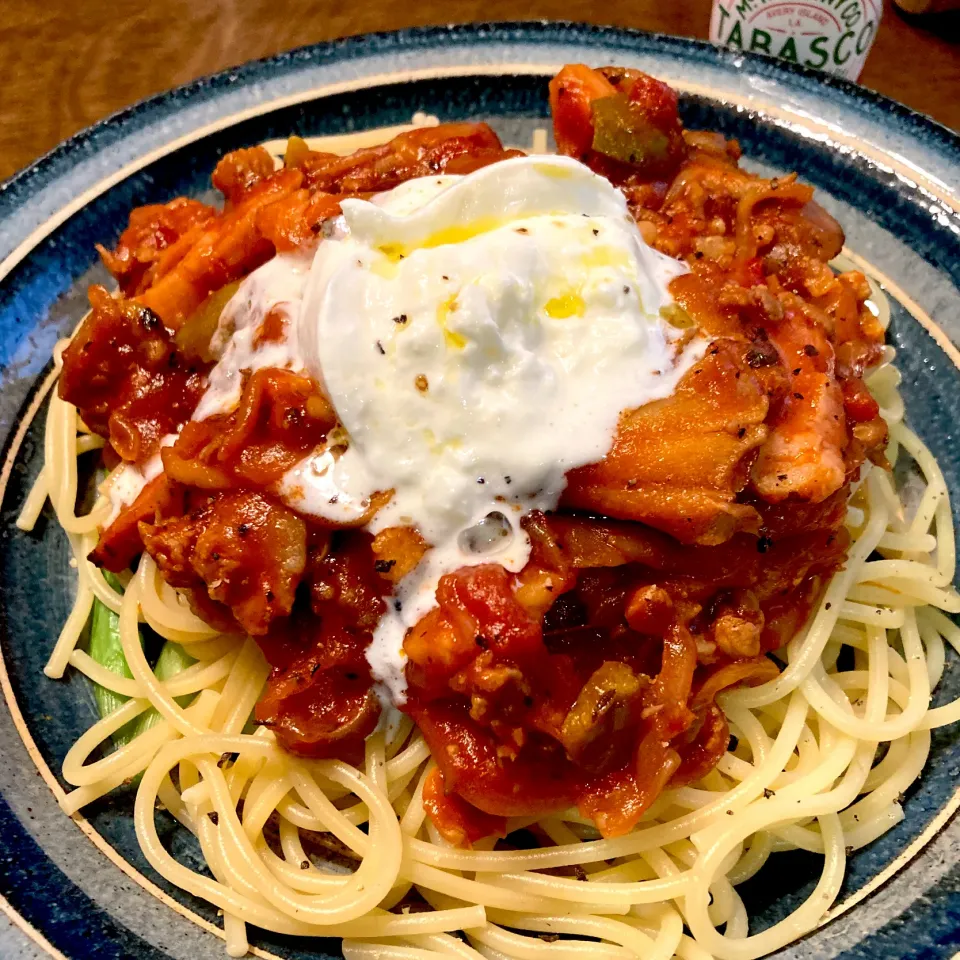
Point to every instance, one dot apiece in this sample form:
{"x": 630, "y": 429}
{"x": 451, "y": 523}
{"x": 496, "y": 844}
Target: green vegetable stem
{"x": 106, "y": 649}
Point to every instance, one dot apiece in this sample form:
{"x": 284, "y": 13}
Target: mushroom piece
{"x": 608, "y": 703}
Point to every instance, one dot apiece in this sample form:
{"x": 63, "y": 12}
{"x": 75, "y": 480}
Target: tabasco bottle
{"x": 831, "y": 35}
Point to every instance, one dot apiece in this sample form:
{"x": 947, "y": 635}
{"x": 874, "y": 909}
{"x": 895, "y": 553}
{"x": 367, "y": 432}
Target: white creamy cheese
{"x": 479, "y": 336}
{"x": 127, "y": 481}
{"x": 277, "y": 285}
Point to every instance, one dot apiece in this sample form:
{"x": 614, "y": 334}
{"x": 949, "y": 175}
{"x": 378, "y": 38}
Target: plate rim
{"x": 346, "y": 48}
{"x": 49, "y": 164}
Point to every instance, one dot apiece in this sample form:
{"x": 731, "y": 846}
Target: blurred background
{"x": 69, "y": 63}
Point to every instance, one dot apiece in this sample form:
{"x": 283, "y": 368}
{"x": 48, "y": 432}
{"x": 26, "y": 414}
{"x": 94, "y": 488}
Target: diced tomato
{"x": 121, "y": 543}
{"x": 658, "y": 100}
{"x": 858, "y": 402}
{"x": 480, "y": 604}
{"x": 458, "y": 822}
{"x": 572, "y": 91}
{"x": 539, "y": 781}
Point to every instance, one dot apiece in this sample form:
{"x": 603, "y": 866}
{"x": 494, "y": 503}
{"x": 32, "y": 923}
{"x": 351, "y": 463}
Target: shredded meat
{"x": 154, "y": 238}
{"x": 678, "y": 464}
{"x": 249, "y": 551}
{"x": 128, "y": 380}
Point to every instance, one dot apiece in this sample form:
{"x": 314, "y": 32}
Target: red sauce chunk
{"x": 125, "y": 375}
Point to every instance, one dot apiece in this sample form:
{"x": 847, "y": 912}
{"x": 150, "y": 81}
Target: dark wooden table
{"x": 68, "y": 63}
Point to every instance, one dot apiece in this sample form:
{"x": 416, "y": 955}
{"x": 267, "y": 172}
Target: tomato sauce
{"x": 674, "y": 566}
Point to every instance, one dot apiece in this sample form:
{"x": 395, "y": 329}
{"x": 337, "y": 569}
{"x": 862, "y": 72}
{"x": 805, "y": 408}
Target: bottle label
{"x": 831, "y": 35}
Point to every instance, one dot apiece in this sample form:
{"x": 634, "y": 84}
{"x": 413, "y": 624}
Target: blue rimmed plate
{"x": 81, "y": 889}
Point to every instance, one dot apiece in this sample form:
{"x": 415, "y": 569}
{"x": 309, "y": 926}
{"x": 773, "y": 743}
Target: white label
{"x": 830, "y": 35}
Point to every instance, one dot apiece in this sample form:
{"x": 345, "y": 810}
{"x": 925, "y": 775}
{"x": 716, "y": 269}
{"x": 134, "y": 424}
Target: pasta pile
{"x": 323, "y": 848}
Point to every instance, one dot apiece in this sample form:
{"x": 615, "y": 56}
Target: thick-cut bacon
{"x": 231, "y": 247}
{"x": 282, "y": 416}
{"x": 803, "y": 455}
{"x": 239, "y": 172}
{"x": 450, "y": 148}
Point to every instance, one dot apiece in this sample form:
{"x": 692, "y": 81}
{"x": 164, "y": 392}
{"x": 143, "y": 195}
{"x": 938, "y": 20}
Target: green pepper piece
{"x": 622, "y": 133}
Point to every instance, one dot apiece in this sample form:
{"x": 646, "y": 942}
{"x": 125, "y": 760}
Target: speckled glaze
{"x": 887, "y": 174}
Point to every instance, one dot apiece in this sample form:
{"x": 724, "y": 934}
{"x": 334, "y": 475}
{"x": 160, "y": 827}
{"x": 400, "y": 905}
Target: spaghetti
{"x": 323, "y": 847}
{"x": 801, "y": 776}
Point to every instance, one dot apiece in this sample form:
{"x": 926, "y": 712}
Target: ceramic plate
{"x": 81, "y": 888}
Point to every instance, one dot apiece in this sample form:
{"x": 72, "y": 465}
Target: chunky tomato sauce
{"x": 675, "y": 565}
